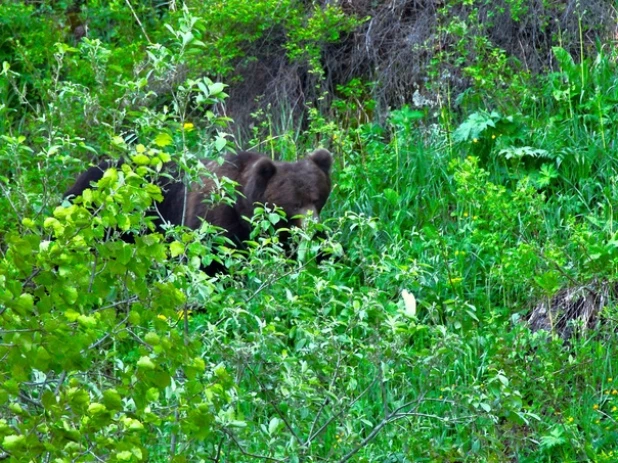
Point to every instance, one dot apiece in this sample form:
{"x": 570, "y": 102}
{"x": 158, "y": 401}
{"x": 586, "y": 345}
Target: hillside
{"x": 456, "y": 302}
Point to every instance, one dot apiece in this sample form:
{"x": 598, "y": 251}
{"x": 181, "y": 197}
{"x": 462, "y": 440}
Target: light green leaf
{"x": 112, "y": 399}
{"x": 176, "y": 248}
{"x": 163, "y": 139}
{"x": 273, "y": 425}
{"x": 87, "y": 321}
{"x": 141, "y": 159}
{"x": 125, "y": 455}
{"x": 220, "y": 143}
{"x": 216, "y": 87}
{"x": 146, "y": 363}
{"x": 152, "y": 338}
{"x": 13, "y": 442}
{"x": 95, "y": 408}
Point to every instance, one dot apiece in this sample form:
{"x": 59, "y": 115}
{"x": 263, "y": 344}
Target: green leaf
{"x": 391, "y": 196}
{"x": 124, "y": 223}
{"x": 216, "y": 87}
{"x": 125, "y": 455}
{"x": 176, "y": 249}
{"x": 273, "y": 426}
{"x": 220, "y": 143}
{"x": 24, "y": 304}
{"x": 118, "y": 141}
{"x": 72, "y": 315}
{"x": 152, "y": 338}
{"x": 565, "y": 60}
{"x": 87, "y": 321}
{"x": 237, "y": 424}
{"x": 141, "y": 160}
{"x": 28, "y": 223}
{"x": 146, "y": 363}
{"x": 555, "y": 438}
{"x": 132, "y": 424}
{"x": 95, "y": 408}
{"x": 112, "y": 399}
{"x": 274, "y": 218}
{"x": 69, "y": 294}
{"x": 42, "y": 358}
{"x": 163, "y": 139}
{"x": 153, "y": 394}
{"x": 13, "y": 442}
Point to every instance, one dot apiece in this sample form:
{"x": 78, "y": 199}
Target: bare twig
{"x": 30, "y": 400}
{"x": 394, "y": 417}
{"x": 138, "y": 21}
{"x": 271, "y": 281}
{"x": 93, "y": 273}
{"x": 117, "y": 303}
{"x": 140, "y": 340}
{"x": 383, "y": 390}
{"x": 174, "y": 436}
{"x": 326, "y": 401}
{"x": 341, "y": 412}
{"x": 8, "y": 197}
{"x": 185, "y": 316}
{"x": 23, "y": 330}
{"x": 61, "y": 379}
{"x": 249, "y": 454}
{"x": 96, "y": 344}
{"x": 274, "y": 405}
{"x": 219, "y": 447}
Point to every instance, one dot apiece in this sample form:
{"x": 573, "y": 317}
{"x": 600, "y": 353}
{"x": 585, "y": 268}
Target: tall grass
{"x": 480, "y": 231}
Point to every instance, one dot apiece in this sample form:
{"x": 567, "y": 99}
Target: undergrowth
{"x": 401, "y": 336}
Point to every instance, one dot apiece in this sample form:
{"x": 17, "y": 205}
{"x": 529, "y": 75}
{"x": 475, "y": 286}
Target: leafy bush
{"x": 402, "y": 336}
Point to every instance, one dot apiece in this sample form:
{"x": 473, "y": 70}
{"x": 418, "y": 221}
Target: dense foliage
{"x": 453, "y": 215}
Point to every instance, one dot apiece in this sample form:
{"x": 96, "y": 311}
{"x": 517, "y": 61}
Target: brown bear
{"x": 296, "y": 187}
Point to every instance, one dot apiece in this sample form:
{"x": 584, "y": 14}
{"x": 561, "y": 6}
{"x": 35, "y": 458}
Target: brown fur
{"x": 295, "y": 187}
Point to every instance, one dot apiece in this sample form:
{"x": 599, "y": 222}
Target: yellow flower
{"x": 609, "y": 380}
{"x": 162, "y": 317}
{"x": 614, "y": 392}
{"x": 181, "y": 314}
{"x": 188, "y": 126}
{"x": 570, "y": 419}
{"x": 595, "y": 407}
{"x": 493, "y": 137}
{"x": 475, "y": 140}
{"x": 614, "y": 408}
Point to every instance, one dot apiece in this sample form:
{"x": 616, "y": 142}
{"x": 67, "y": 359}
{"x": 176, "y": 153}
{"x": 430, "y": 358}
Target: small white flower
{"x": 409, "y": 303}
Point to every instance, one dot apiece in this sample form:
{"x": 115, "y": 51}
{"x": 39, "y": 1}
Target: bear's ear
{"x": 263, "y": 170}
{"x": 323, "y": 159}
{"x": 256, "y": 180}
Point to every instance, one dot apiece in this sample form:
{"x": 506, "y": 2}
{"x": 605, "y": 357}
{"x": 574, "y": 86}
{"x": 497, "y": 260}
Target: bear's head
{"x": 299, "y": 188}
